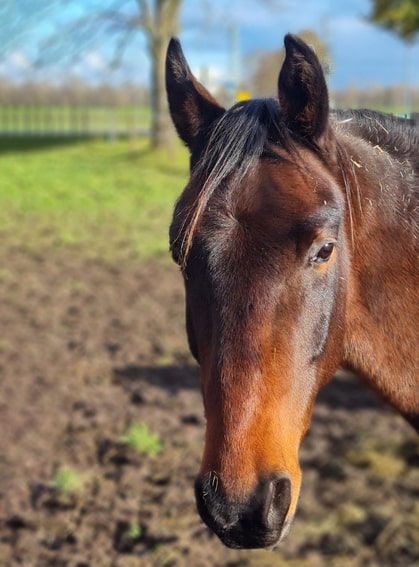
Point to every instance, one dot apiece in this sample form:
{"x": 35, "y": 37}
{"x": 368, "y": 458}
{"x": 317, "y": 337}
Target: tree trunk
{"x": 165, "y": 26}
{"x": 161, "y": 125}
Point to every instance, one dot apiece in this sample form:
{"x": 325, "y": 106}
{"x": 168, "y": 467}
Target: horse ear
{"x": 191, "y": 106}
{"x": 302, "y": 91}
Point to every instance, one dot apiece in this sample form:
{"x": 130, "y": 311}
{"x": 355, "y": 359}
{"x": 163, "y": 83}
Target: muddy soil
{"x": 88, "y": 348}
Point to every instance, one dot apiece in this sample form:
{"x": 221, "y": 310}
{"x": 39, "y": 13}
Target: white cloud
{"x": 95, "y": 61}
{"x": 18, "y": 60}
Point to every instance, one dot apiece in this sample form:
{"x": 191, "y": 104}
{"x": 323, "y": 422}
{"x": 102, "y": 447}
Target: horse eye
{"x": 323, "y": 255}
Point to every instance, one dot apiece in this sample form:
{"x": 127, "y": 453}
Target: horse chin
{"x": 269, "y": 542}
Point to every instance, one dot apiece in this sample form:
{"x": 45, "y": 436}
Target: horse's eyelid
{"x": 314, "y": 255}
{"x": 326, "y": 241}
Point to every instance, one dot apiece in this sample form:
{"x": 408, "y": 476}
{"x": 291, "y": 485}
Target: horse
{"x": 297, "y": 239}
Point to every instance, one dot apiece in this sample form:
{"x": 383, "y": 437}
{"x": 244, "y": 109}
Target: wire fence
{"x": 81, "y": 121}
{"x": 74, "y": 121}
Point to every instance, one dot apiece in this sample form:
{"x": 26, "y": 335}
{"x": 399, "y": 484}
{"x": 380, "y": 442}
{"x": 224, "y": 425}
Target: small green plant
{"x": 67, "y": 481}
{"x": 139, "y": 437}
{"x": 134, "y": 531}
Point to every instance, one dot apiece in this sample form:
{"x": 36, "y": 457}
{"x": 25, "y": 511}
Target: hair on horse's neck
{"x": 398, "y": 136}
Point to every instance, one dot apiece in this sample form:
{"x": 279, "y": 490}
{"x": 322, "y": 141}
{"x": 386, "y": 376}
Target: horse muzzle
{"x": 255, "y": 521}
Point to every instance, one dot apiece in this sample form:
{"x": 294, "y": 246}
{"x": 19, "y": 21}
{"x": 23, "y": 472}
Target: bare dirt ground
{"x": 87, "y": 348}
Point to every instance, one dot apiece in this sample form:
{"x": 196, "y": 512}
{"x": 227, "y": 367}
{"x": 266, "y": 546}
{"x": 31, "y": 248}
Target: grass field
{"x": 110, "y": 198}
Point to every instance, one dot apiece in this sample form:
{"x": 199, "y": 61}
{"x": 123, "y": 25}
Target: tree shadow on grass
{"x": 10, "y": 144}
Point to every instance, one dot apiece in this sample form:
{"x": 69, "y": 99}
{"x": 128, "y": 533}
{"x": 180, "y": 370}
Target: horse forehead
{"x": 268, "y": 203}
{"x": 248, "y": 232}
{"x": 302, "y": 185}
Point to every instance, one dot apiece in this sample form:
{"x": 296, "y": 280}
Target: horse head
{"x": 260, "y": 235}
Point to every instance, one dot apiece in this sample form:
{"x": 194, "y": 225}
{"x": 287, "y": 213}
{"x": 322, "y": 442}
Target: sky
{"x": 362, "y": 54}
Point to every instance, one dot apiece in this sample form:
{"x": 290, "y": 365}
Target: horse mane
{"x": 240, "y": 137}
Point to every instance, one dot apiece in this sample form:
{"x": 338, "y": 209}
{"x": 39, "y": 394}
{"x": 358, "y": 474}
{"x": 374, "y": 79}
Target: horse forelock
{"x": 238, "y": 139}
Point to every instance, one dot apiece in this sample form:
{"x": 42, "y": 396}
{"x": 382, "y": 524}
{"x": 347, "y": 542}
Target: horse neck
{"x": 382, "y": 300}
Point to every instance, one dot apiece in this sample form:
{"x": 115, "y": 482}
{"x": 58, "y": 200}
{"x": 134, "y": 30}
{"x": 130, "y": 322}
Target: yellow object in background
{"x": 243, "y": 95}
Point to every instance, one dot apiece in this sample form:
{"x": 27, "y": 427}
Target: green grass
{"x": 139, "y": 437}
{"x": 109, "y": 199}
{"x": 67, "y": 481}
{"x": 134, "y": 531}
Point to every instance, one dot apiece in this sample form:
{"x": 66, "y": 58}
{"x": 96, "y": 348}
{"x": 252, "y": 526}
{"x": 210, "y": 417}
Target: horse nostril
{"x": 279, "y": 500}
{"x": 267, "y": 507}
{"x": 213, "y": 506}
